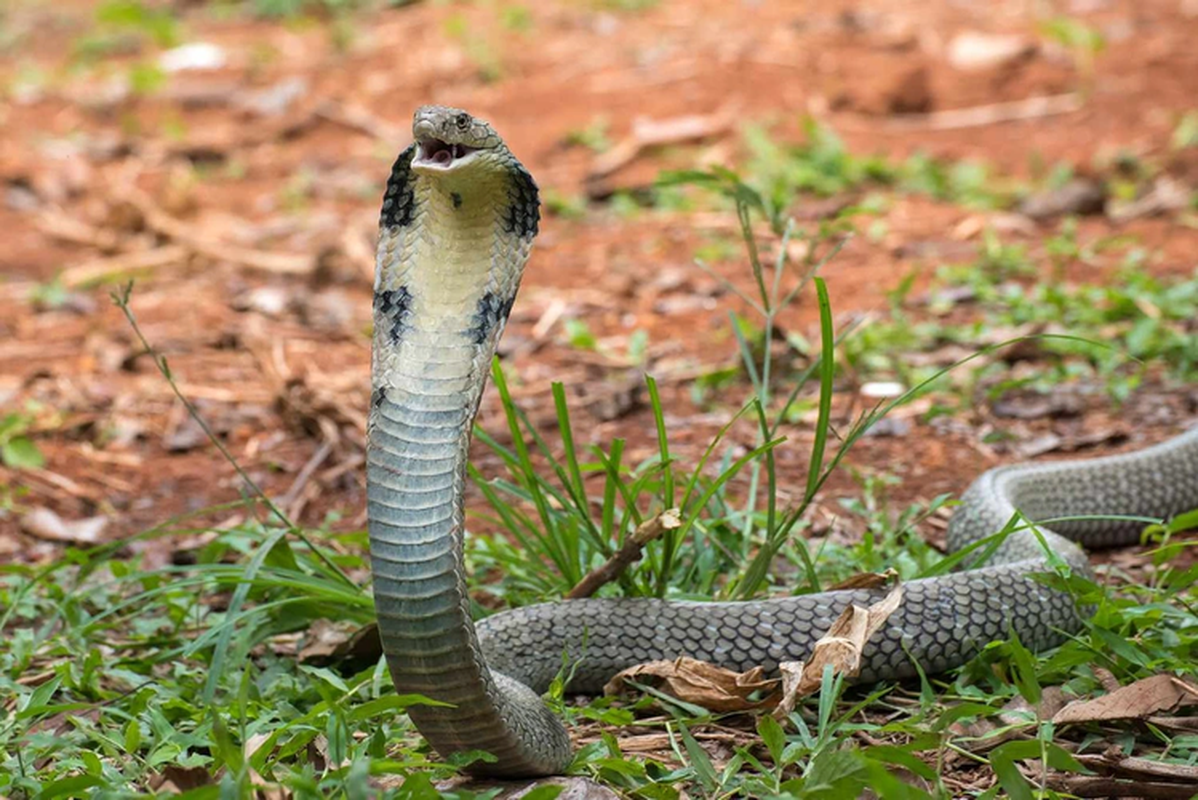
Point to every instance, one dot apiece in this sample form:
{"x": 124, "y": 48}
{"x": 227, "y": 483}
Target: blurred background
{"x": 230, "y": 157}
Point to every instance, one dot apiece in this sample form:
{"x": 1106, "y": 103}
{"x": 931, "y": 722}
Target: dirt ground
{"x": 243, "y": 197}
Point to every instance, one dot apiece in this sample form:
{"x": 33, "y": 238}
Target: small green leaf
{"x": 228, "y": 753}
{"x": 70, "y": 787}
{"x": 700, "y": 762}
{"x": 774, "y": 737}
{"x": 132, "y": 736}
{"x": 21, "y": 453}
{"x": 39, "y": 699}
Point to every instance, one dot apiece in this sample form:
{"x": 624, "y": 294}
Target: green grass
{"x": 1130, "y": 326}
{"x": 117, "y": 675}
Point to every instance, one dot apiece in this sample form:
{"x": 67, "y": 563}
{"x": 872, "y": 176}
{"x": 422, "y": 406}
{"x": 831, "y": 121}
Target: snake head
{"x": 449, "y": 139}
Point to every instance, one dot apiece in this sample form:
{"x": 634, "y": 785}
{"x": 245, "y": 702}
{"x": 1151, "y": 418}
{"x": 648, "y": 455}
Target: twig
{"x": 163, "y": 223}
{"x": 980, "y": 116}
{"x": 359, "y": 119}
{"x": 628, "y": 553}
{"x": 1112, "y": 787}
{"x": 99, "y": 269}
{"x": 289, "y": 499}
{"x": 1140, "y": 768}
{"x": 655, "y": 133}
{"x": 121, "y": 298}
{"x": 67, "y": 228}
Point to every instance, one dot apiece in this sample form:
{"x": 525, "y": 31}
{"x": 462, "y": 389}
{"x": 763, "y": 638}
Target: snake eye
{"x": 463, "y": 121}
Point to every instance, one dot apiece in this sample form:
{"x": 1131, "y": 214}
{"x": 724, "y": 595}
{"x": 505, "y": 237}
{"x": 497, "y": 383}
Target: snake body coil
{"x": 458, "y": 219}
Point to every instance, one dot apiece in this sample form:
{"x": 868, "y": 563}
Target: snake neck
{"x": 435, "y": 332}
{"x": 449, "y": 265}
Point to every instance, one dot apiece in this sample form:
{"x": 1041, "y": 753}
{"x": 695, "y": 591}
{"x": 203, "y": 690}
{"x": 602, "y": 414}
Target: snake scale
{"x": 458, "y": 219}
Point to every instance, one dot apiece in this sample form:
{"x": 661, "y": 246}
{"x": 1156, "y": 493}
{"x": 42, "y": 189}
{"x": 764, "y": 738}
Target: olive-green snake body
{"x": 459, "y": 216}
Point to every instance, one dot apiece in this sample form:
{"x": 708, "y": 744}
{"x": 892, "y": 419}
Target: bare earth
{"x": 244, "y": 198}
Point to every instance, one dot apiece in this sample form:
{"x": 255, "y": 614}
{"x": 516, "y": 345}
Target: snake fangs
{"x": 458, "y": 218}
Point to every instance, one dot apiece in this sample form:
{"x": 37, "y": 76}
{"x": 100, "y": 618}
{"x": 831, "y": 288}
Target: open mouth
{"x": 437, "y": 153}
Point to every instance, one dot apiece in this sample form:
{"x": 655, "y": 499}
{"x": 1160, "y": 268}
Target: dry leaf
{"x": 1139, "y": 700}
{"x": 792, "y": 676}
{"x": 263, "y": 789}
{"x": 176, "y": 780}
{"x": 333, "y": 642}
{"x": 867, "y": 580}
{"x": 694, "y": 681}
{"x": 842, "y": 645}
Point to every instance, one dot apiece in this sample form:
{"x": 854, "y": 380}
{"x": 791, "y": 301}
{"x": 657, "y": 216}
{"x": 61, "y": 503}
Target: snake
{"x": 459, "y": 216}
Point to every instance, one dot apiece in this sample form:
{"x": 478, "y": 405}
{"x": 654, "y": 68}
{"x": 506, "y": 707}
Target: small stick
{"x": 290, "y": 500}
{"x": 1111, "y": 787}
{"x": 629, "y": 553}
{"x": 101, "y": 269}
{"x": 361, "y": 120}
{"x": 180, "y": 232}
{"x": 980, "y": 116}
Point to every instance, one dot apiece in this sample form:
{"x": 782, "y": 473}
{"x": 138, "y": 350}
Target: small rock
{"x": 911, "y": 93}
{"x": 1078, "y": 196}
{"x": 877, "y": 390}
{"x": 1037, "y": 406}
{"x": 275, "y": 99}
{"x": 186, "y": 436}
{"x": 330, "y": 310}
{"x": 272, "y": 301}
{"x": 45, "y": 524}
{"x": 1165, "y": 196}
{"x": 974, "y": 50}
{"x": 889, "y": 427}
{"x": 193, "y": 56}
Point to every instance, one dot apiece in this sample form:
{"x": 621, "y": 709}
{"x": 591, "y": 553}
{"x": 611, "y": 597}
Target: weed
{"x": 595, "y": 136}
{"x": 478, "y": 47}
{"x": 517, "y": 19}
{"x": 158, "y": 24}
{"x": 1185, "y": 135}
{"x": 564, "y": 205}
{"x": 17, "y": 449}
{"x": 145, "y": 78}
{"x": 1082, "y": 42}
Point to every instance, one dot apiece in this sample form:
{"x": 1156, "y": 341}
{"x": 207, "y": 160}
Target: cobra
{"x": 459, "y": 216}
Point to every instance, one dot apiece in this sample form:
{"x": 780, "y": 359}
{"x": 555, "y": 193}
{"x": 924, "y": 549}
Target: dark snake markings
{"x": 391, "y": 306}
{"x": 399, "y": 201}
{"x": 524, "y": 206}
{"x": 492, "y": 312}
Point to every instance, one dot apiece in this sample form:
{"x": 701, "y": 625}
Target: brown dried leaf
{"x": 867, "y": 580}
{"x": 698, "y": 682}
{"x": 332, "y": 642}
{"x": 842, "y": 645}
{"x": 1138, "y": 700}
{"x": 176, "y": 780}
{"x": 792, "y": 676}
{"x": 263, "y": 789}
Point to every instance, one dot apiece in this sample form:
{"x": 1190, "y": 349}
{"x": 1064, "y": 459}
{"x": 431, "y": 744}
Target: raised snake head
{"x": 452, "y": 140}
